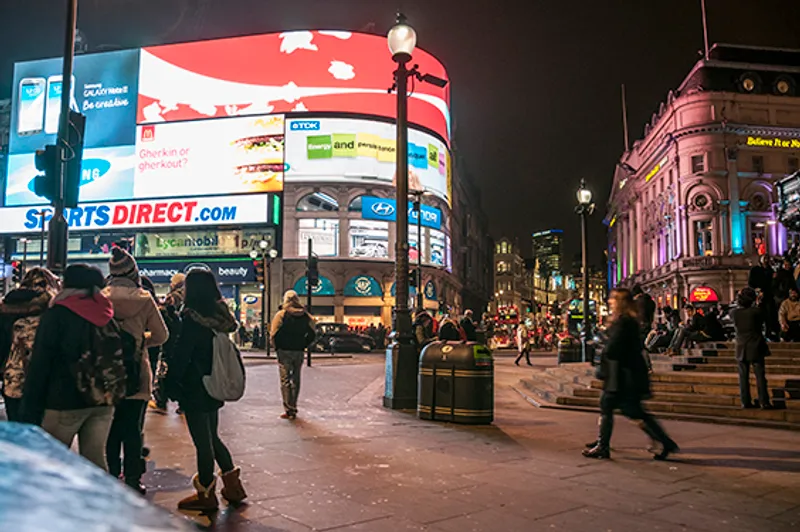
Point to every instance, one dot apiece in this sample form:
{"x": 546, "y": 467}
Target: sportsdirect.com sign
{"x": 218, "y": 210}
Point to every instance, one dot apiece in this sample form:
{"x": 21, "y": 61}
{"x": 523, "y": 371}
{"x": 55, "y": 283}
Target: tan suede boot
{"x": 233, "y": 491}
{"x": 204, "y": 500}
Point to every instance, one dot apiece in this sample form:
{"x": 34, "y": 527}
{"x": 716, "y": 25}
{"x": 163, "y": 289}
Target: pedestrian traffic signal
{"x": 259, "y": 267}
{"x": 312, "y": 271}
{"x": 17, "y": 271}
{"x": 46, "y": 184}
{"x": 74, "y": 157}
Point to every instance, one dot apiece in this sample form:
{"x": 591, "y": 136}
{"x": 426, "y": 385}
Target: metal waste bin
{"x": 456, "y": 383}
{"x": 569, "y": 350}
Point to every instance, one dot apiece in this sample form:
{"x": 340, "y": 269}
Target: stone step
{"x": 697, "y": 377}
{"x": 730, "y": 390}
{"x": 715, "y": 399}
{"x": 710, "y": 411}
{"x": 773, "y": 360}
{"x": 724, "y": 368}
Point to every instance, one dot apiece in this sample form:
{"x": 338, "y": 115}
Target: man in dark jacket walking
{"x": 292, "y": 331}
{"x": 469, "y": 327}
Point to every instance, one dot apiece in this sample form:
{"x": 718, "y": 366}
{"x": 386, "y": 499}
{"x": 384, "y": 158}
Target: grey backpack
{"x": 227, "y": 379}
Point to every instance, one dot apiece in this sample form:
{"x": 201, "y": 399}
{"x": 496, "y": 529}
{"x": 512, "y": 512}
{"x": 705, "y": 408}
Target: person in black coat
{"x": 761, "y": 277}
{"x": 626, "y": 382}
{"x": 469, "y": 326}
{"x": 205, "y": 313}
{"x": 751, "y": 348}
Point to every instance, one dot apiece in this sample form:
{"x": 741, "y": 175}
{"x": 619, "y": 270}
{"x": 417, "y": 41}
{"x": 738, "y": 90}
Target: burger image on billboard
{"x": 259, "y": 161}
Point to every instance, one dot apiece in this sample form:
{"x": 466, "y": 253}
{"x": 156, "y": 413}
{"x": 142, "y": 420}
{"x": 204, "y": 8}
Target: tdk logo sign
{"x": 383, "y": 209}
{"x": 304, "y": 125}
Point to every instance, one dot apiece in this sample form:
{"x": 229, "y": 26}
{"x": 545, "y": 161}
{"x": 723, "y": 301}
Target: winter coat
{"x": 136, "y": 312}
{"x": 20, "y": 315}
{"x": 62, "y": 337}
{"x": 469, "y": 329}
{"x": 782, "y": 283}
{"x": 192, "y": 358}
{"x": 646, "y": 310}
{"x": 622, "y": 366}
{"x": 789, "y": 311}
{"x": 450, "y": 330}
{"x": 523, "y": 339}
{"x": 750, "y": 343}
{"x": 761, "y": 278}
{"x": 292, "y": 329}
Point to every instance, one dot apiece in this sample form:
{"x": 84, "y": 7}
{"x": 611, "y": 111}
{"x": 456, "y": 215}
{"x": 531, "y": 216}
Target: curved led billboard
{"x": 331, "y": 71}
{"x": 346, "y": 150}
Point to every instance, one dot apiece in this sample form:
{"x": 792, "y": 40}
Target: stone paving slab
{"x": 349, "y": 465}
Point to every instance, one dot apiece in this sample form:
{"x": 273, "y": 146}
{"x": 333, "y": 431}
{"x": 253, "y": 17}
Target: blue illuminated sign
{"x": 384, "y": 209}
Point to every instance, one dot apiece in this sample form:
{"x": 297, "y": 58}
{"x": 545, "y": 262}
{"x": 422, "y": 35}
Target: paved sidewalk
{"x": 347, "y": 464}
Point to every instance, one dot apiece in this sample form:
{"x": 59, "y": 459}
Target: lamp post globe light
{"x": 584, "y": 209}
{"x": 266, "y": 257}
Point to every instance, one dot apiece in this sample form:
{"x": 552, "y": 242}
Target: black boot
{"x": 653, "y": 429}
{"x": 598, "y": 452}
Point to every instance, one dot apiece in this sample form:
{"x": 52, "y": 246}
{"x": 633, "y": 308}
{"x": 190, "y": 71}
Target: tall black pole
{"x": 584, "y": 257}
{"x": 57, "y": 245}
{"x": 24, "y": 254}
{"x": 268, "y": 288}
{"x": 309, "y": 289}
{"x": 418, "y": 206}
{"x": 43, "y": 213}
{"x": 264, "y": 321}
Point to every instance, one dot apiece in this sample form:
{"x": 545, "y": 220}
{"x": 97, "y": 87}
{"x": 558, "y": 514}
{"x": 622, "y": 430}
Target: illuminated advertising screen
{"x": 212, "y": 210}
{"x": 362, "y": 152}
{"x": 233, "y": 155}
{"x": 201, "y": 243}
{"x": 105, "y": 89}
{"x": 295, "y": 71}
{"x": 324, "y": 234}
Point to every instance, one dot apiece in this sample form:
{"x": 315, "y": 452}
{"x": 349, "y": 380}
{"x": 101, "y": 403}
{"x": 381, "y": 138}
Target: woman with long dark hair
{"x": 626, "y": 381}
{"x": 204, "y": 314}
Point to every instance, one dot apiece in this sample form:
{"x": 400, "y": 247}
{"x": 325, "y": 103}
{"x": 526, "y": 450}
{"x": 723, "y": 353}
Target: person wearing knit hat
{"x": 122, "y": 264}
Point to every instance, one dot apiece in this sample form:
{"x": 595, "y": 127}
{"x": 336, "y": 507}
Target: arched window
{"x": 317, "y": 202}
{"x": 355, "y": 204}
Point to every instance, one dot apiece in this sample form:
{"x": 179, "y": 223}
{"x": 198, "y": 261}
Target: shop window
{"x": 324, "y": 234}
{"x": 698, "y": 164}
{"x": 703, "y": 238}
{"x": 317, "y": 202}
{"x": 758, "y": 164}
{"x": 758, "y": 237}
{"x": 794, "y": 165}
{"x": 368, "y": 239}
{"x": 355, "y": 204}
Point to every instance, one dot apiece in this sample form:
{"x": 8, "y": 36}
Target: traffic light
{"x": 312, "y": 272}
{"x": 74, "y": 156}
{"x": 17, "y": 271}
{"x": 259, "y": 267}
{"x": 46, "y": 184}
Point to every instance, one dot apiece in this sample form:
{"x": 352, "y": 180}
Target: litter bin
{"x": 569, "y": 350}
{"x": 456, "y": 383}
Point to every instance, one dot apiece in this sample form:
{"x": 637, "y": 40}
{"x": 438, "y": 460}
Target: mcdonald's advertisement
{"x": 362, "y": 151}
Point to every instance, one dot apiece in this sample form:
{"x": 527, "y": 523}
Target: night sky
{"x": 535, "y": 83}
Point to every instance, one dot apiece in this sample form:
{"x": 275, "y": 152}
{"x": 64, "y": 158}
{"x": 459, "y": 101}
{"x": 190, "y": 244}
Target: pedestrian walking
{"x": 523, "y": 344}
{"x": 292, "y": 331}
{"x": 751, "y": 348}
{"x": 20, "y": 315}
{"x": 204, "y": 313}
{"x": 626, "y": 381}
{"x": 55, "y": 395}
{"x": 137, "y": 315}
{"x": 256, "y": 337}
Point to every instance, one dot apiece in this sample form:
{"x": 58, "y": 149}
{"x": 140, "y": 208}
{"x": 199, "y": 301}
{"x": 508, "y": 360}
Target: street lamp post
{"x": 584, "y": 209}
{"x": 418, "y": 195}
{"x": 266, "y": 288}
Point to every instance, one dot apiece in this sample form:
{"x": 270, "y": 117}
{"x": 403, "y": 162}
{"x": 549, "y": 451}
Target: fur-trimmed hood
{"x": 25, "y": 302}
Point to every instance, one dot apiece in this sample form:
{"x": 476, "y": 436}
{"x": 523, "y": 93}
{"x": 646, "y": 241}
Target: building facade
{"x": 547, "y": 250}
{"x": 693, "y": 203}
{"x": 303, "y": 151}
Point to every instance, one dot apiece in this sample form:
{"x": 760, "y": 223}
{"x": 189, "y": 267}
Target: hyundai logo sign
{"x": 383, "y": 209}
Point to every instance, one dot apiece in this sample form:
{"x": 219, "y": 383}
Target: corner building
{"x": 694, "y": 202}
{"x": 191, "y": 160}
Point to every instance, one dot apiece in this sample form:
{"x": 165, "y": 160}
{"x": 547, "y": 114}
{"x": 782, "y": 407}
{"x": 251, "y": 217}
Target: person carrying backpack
{"x": 20, "y": 314}
{"x": 205, "y": 314}
{"x": 292, "y": 330}
{"x": 56, "y": 394}
{"x": 136, "y": 313}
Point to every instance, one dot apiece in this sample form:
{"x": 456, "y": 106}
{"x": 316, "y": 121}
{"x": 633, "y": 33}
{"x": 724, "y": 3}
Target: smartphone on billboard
{"x": 53, "y": 105}
{"x": 31, "y": 106}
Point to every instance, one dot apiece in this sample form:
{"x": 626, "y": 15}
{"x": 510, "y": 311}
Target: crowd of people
{"x": 427, "y": 329}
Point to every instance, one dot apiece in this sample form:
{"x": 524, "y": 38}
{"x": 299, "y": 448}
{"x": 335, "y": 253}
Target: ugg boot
{"x": 204, "y": 500}
{"x": 233, "y": 491}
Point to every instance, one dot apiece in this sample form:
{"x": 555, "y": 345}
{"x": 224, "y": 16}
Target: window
{"x": 794, "y": 165}
{"x": 324, "y": 234}
{"x": 758, "y": 237}
{"x": 505, "y": 248}
{"x": 703, "y": 243}
{"x": 758, "y": 164}
{"x": 317, "y": 202}
{"x": 369, "y": 240}
{"x": 355, "y": 205}
{"x": 698, "y": 164}
{"x": 502, "y": 267}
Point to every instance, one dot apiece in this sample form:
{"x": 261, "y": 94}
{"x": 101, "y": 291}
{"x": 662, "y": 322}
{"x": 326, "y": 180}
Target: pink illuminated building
{"x": 694, "y": 201}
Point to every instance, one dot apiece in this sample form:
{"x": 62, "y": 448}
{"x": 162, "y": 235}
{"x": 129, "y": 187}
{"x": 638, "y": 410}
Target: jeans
{"x": 682, "y": 335}
{"x": 126, "y": 437}
{"x": 761, "y": 382}
{"x": 793, "y": 334}
{"x": 91, "y": 425}
{"x": 632, "y": 409}
{"x": 525, "y": 352}
{"x": 290, "y": 364}
{"x": 13, "y": 407}
{"x": 204, "y": 430}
